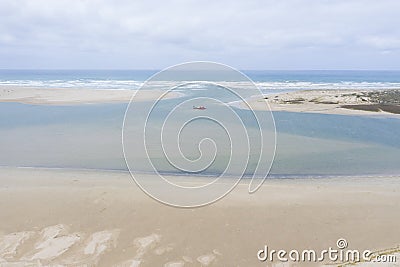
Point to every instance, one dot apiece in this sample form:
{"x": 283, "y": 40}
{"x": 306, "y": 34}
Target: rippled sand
{"x": 74, "y": 217}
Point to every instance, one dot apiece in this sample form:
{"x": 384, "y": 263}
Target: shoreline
{"x": 335, "y": 102}
{"x": 380, "y": 102}
{"x": 103, "y": 219}
{"x": 277, "y": 177}
{"x": 76, "y": 96}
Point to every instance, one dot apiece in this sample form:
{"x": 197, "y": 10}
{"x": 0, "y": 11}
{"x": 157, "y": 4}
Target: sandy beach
{"x": 297, "y": 102}
{"x": 67, "y": 217}
{"x": 77, "y": 217}
{"x": 340, "y": 102}
{"x": 71, "y": 96}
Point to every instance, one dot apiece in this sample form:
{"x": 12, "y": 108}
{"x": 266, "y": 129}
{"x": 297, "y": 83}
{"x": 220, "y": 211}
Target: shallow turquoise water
{"x": 89, "y": 136}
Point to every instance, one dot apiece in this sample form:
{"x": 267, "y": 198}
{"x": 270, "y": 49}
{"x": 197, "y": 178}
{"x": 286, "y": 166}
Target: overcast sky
{"x": 132, "y": 34}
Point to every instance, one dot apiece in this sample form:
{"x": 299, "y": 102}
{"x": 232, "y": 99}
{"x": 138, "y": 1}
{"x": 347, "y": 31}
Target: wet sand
{"x": 394, "y": 109}
{"x": 75, "y": 96}
{"x": 77, "y": 217}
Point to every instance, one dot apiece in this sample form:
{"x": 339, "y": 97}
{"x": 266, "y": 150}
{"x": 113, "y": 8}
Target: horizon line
{"x": 160, "y": 69}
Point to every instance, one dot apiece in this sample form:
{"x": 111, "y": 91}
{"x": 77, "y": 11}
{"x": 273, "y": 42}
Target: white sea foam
{"x": 95, "y": 84}
{"x": 325, "y": 85}
{"x": 134, "y": 84}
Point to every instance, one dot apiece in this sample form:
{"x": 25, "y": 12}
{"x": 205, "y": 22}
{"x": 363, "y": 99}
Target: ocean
{"x": 267, "y": 80}
{"x": 89, "y": 136}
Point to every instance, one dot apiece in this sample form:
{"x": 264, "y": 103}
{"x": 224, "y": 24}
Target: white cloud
{"x": 154, "y": 34}
{"x": 383, "y": 43}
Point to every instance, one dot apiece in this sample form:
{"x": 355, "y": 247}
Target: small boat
{"x": 199, "y": 107}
